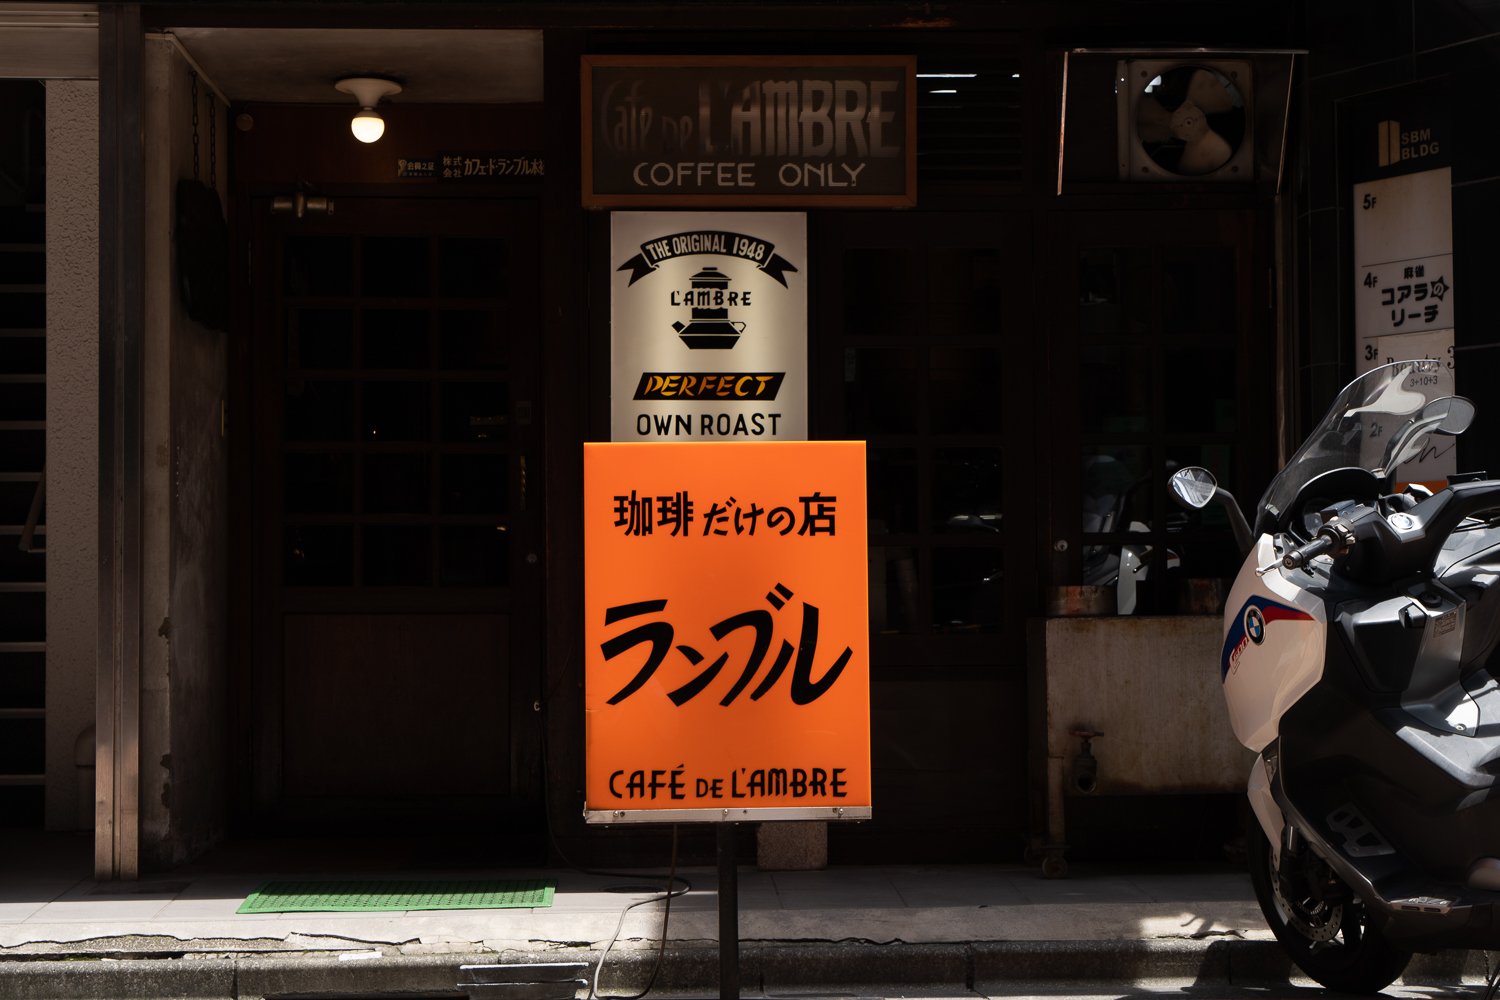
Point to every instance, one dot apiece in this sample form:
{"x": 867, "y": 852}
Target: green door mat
{"x": 369, "y": 896}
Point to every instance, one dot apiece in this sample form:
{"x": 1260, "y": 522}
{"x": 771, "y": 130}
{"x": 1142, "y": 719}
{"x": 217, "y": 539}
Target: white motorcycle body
{"x": 1361, "y": 662}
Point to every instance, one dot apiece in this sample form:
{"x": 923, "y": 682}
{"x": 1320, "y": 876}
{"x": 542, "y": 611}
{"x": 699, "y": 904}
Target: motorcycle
{"x": 1359, "y": 662}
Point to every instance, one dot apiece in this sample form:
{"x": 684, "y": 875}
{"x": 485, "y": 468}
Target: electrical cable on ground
{"x": 661, "y": 950}
{"x": 673, "y": 880}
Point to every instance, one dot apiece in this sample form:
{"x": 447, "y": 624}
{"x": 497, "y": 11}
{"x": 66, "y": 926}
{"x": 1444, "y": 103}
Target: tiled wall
{"x": 1358, "y": 48}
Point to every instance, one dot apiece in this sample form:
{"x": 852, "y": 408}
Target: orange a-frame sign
{"x": 727, "y": 640}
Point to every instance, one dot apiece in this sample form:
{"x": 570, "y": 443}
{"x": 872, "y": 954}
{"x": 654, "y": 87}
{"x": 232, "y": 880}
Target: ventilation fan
{"x": 1185, "y": 120}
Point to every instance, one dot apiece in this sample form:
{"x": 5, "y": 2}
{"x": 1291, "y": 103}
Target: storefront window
{"x": 923, "y": 384}
{"x": 1159, "y": 386}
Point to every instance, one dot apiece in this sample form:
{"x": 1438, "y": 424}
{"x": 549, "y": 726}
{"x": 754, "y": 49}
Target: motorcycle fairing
{"x": 1251, "y": 624}
{"x": 1262, "y": 680}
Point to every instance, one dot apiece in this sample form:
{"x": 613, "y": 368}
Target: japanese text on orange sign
{"x": 727, "y": 661}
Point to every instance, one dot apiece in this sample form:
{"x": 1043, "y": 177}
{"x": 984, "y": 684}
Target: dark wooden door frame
{"x": 1010, "y": 233}
{"x": 932, "y": 658}
{"x": 256, "y": 691}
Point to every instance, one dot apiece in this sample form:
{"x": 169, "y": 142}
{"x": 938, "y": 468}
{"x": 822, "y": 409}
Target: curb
{"x": 764, "y": 967}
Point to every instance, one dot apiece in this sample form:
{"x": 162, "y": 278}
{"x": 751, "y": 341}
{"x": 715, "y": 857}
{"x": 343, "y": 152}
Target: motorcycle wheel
{"x": 1335, "y": 945}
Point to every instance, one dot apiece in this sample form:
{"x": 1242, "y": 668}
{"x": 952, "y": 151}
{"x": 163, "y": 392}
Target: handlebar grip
{"x": 1298, "y": 558}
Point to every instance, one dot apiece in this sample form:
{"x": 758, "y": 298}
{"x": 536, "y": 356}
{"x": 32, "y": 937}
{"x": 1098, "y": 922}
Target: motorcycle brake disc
{"x": 1319, "y": 924}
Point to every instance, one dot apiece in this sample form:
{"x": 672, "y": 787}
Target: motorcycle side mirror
{"x": 1456, "y": 414}
{"x": 1450, "y": 415}
{"x": 1194, "y": 486}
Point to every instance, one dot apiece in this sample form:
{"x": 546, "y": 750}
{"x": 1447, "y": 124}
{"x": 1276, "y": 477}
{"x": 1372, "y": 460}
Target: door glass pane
{"x": 472, "y": 268}
{"x": 1202, "y": 390}
{"x": 881, "y": 390}
{"x": 475, "y": 411}
{"x": 319, "y": 265}
{"x": 884, "y": 297}
{"x": 319, "y": 338}
{"x": 475, "y": 484}
{"x": 1116, "y": 487}
{"x": 965, "y": 395}
{"x": 319, "y": 411}
{"x": 474, "y": 556}
{"x": 894, "y": 591}
{"x": 1198, "y": 299}
{"x": 318, "y": 555}
{"x": 1114, "y": 291}
{"x": 473, "y": 339}
{"x": 396, "y": 267}
{"x": 967, "y": 589}
{"x": 891, "y": 475}
{"x": 318, "y": 484}
{"x": 966, "y": 292}
{"x": 396, "y": 338}
{"x": 397, "y": 555}
{"x": 966, "y": 496}
{"x": 397, "y": 484}
{"x": 396, "y": 411}
{"x": 1114, "y": 389}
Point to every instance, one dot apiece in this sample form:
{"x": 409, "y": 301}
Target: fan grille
{"x": 1189, "y": 119}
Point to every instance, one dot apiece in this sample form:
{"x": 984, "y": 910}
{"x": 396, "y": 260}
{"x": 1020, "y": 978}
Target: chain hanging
{"x": 195, "y": 125}
{"x": 213, "y": 143}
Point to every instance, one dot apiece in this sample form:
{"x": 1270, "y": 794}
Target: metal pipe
{"x": 729, "y": 915}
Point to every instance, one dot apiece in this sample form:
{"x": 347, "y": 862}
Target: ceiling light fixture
{"x": 367, "y": 125}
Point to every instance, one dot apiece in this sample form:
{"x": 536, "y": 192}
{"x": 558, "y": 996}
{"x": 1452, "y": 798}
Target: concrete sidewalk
{"x": 934, "y": 926}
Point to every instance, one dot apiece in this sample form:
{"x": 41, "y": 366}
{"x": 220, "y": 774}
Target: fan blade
{"x": 1204, "y": 150}
{"x": 1208, "y": 92}
{"x": 1205, "y": 154}
{"x": 1153, "y": 123}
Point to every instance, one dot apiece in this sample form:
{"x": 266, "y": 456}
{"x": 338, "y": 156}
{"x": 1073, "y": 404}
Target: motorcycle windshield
{"x": 1359, "y": 428}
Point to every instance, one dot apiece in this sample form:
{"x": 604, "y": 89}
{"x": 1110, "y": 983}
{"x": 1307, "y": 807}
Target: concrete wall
{"x": 72, "y": 439}
{"x": 1152, "y": 686}
{"x": 184, "y": 660}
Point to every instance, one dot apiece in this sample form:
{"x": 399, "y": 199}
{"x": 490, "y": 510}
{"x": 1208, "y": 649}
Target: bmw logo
{"x": 1255, "y": 625}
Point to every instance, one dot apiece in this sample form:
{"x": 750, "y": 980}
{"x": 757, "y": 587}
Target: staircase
{"x": 23, "y": 394}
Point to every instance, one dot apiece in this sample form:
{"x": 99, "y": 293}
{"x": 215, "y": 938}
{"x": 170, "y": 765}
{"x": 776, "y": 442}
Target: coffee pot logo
{"x": 710, "y": 327}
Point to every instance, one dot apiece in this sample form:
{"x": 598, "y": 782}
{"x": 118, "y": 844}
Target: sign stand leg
{"x": 729, "y": 915}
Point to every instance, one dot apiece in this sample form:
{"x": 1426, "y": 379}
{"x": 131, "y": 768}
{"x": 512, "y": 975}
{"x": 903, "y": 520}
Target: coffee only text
{"x": 750, "y": 135}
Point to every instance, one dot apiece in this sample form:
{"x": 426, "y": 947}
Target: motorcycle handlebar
{"x": 1299, "y": 557}
{"x": 1377, "y": 552}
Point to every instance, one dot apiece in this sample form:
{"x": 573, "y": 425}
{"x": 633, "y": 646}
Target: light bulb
{"x": 367, "y": 125}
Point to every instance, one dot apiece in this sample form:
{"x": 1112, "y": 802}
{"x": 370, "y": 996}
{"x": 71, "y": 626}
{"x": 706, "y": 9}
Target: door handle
{"x": 300, "y": 204}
